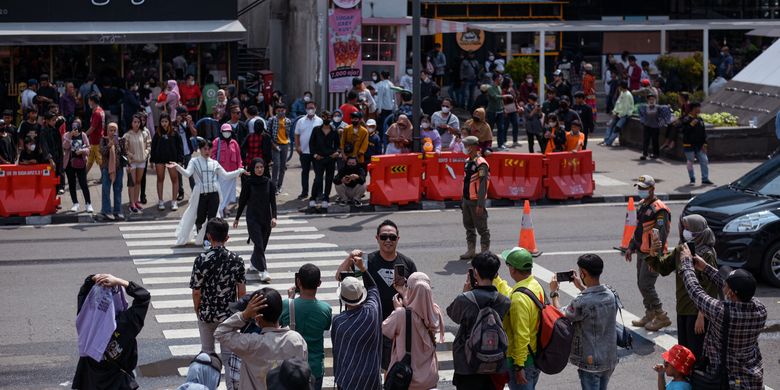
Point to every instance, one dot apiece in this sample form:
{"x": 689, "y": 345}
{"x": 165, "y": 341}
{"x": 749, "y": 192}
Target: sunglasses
{"x": 385, "y": 237}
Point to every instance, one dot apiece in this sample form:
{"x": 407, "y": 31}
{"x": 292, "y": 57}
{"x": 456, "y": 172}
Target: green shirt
{"x": 209, "y": 93}
{"x": 669, "y": 263}
{"x": 495, "y": 101}
{"x": 312, "y": 318}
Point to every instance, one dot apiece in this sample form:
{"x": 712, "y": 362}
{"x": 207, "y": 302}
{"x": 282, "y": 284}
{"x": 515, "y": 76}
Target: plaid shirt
{"x": 743, "y": 361}
{"x": 273, "y": 124}
{"x": 253, "y": 146}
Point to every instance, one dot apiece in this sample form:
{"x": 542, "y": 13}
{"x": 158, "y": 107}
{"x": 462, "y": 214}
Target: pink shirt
{"x": 229, "y": 154}
{"x": 424, "y": 362}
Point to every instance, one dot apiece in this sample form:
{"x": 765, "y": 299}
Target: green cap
{"x": 519, "y": 258}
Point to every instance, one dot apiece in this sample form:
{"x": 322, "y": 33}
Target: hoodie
{"x": 480, "y": 129}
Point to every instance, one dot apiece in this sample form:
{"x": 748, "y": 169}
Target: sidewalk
{"x": 616, "y": 168}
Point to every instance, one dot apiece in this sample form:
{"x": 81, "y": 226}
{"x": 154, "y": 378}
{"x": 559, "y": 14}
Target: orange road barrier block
{"x": 396, "y": 179}
{"x": 27, "y": 190}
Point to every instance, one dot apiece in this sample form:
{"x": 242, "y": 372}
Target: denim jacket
{"x": 593, "y": 314}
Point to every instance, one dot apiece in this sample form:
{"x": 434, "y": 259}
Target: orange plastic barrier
{"x": 515, "y": 176}
{"x": 396, "y": 179}
{"x": 569, "y": 175}
{"x": 443, "y": 179}
{"x": 27, "y": 190}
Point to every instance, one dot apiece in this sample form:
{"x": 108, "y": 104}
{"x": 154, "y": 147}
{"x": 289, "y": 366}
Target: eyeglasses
{"x": 385, "y": 237}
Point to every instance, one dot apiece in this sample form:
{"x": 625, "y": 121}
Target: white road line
{"x": 238, "y": 249}
{"x": 242, "y": 233}
{"x": 570, "y": 253}
{"x": 172, "y": 241}
{"x": 163, "y": 292}
{"x": 271, "y": 266}
{"x": 606, "y": 181}
{"x": 171, "y": 225}
{"x": 186, "y": 280}
{"x": 268, "y": 256}
{"x": 187, "y": 303}
{"x": 193, "y": 333}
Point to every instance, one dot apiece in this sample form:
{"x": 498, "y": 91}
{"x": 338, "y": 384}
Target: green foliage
{"x": 519, "y": 67}
{"x": 720, "y": 119}
{"x": 670, "y": 98}
{"x": 688, "y": 70}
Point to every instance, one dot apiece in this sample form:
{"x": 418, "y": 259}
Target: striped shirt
{"x": 207, "y": 172}
{"x": 356, "y": 336}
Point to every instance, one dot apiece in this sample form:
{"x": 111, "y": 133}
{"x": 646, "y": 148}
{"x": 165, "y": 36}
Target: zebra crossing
{"x": 165, "y": 271}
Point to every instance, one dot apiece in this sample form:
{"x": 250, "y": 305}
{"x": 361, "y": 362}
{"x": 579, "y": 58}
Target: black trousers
{"x": 472, "y": 382}
{"x": 306, "y": 166}
{"x": 259, "y": 232}
{"x": 688, "y": 338}
{"x": 650, "y": 134}
{"x": 323, "y": 172}
{"x": 539, "y": 138}
{"x": 207, "y": 208}
{"x": 143, "y": 182}
{"x": 80, "y": 175}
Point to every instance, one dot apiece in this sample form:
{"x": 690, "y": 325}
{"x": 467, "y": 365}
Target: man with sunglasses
{"x": 382, "y": 265}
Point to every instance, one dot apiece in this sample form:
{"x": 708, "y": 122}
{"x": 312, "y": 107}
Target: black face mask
{"x": 476, "y": 119}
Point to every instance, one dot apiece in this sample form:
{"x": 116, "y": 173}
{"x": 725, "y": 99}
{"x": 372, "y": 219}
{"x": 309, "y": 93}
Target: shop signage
{"x": 470, "y": 40}
{"x": 344, "y": 57}
{"x": 116, "y": 10}
{"x": 346, "y": 3}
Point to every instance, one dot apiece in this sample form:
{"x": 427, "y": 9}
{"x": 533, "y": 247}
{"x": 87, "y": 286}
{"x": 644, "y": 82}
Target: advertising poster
{"x": 344, "y": 57}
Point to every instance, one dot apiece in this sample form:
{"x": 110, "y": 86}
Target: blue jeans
{"x": 531, "y": 375}
{"x": 595, "y": 380}
{"x": 703, "y": 163}
{"x": 511, "y": 119}
{"x": 467, "y": 93}
{"x": 105, "y": 206}
{"x": 496, "y": 122}
{"x": 615, "y": 126}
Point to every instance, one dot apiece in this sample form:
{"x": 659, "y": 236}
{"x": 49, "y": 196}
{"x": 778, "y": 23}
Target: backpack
{"x": 553, "y": 339}
{"x": 487, "y": 343}
{"x": 399, "y": 377}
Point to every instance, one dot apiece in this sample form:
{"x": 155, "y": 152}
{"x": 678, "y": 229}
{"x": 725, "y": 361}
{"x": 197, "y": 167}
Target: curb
{"x": 427, "y": 205}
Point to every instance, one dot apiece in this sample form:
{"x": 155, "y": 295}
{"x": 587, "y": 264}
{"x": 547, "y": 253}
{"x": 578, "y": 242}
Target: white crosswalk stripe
{"x": 165, "y": 270}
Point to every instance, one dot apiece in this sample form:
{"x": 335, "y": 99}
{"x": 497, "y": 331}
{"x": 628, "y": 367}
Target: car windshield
{"x": 764, "y": 179}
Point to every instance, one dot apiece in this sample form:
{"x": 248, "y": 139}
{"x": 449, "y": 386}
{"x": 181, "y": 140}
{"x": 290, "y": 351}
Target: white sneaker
{"x": 75, "y": 208}
{"x": 265, "y": 277}
{"x": 174, "y": 205}
{"x": 161, "y": 206}
{"x": 90, "y": 209}
{"x": 252, "y": 268}
{"x": 325, "y": 204}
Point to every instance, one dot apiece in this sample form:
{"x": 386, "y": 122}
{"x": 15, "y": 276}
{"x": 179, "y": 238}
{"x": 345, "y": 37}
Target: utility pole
{"x": 416, "y": 50}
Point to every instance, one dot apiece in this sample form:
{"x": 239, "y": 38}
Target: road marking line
{"x": 187, "y": 303}
{"x": 242, "y": 233}
{"x": 186, "y": 280}
{"x": 271, "y": 266}
{"x": 268, "y": 256}
{"x": 606, "y": 181}
{"x": 569, "y": 253}
{"x": 243, "y": 249}
{"x": 171, "y": 225}
{"x": 172, "y": 241}
{"x": 194, "y": 333}
{"x": 282, "y": 288}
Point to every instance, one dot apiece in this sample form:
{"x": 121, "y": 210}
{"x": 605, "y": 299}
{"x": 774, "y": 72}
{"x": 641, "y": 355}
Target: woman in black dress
{"x": 166, "y": 148}
{"x": 258, "y": 192}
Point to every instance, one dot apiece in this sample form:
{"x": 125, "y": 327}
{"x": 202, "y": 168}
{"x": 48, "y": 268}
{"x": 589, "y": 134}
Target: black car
{"x": 745, "y": 216}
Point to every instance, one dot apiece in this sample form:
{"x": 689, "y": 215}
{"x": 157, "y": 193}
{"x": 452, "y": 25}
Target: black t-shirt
{"x": 8, "y": 148}
{"x": 383, "y": 273}
{"x": 26, "y": 127}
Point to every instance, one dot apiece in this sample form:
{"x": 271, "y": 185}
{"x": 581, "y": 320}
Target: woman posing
{"x": 75, "y": 146}
{"x": 113, "y": 151}
{"x": 167, "y": 148}
{"x": 258, "y": 196}
{"x": 139, "y": 144}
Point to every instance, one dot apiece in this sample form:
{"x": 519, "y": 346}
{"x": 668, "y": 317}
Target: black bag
{"x": 400, "y": 374}
{"x": 624, "y": 338}
{"x": 701, "y": 379}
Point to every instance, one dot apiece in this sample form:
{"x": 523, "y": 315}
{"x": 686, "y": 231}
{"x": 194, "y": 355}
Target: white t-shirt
{"x": 303, "y": 129}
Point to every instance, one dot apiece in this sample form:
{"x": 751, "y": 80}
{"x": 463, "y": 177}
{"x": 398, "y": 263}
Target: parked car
{"x": 745, "y": 216}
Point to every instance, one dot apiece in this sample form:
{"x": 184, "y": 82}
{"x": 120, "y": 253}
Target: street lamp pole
{"x": 416, "y": 53}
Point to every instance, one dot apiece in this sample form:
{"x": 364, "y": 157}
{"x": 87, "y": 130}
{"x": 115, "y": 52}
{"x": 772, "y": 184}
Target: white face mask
{"x": 226, "y": 134}
{"x": 191, "y": 82}
{"x": 529, "y": 81}
{"x": 687, "y": 235}
{"x": 643, "y": 193}
{"x": 425, "y": 125}
{"x": 307, "y": 98}
{"x": 445, "y": 110}
{"x": 32, "y": 147}
{"x": 337, "y": 119}
{"x": 409, "y": 72}
{"x": 309, "y": 111}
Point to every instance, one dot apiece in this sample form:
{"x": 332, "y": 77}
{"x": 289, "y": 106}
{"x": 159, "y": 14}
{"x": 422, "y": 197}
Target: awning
{"x": 97, "y": 33}
{"x": 766, "y": 32}
{"x": 427, "y": 26}
{"x": 626, "y": 25}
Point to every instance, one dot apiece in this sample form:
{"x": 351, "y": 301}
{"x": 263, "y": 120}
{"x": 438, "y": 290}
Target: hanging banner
{"x": 344, "y": 57}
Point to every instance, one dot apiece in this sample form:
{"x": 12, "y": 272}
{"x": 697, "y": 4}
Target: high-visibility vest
{"x": 647, "y": 227}
{"x": 474, "y": 179}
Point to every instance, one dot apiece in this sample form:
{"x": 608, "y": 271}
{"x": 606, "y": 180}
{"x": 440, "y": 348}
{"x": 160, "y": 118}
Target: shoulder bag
{"x": 399, "y": 377}
{"x": 700, "y": 379}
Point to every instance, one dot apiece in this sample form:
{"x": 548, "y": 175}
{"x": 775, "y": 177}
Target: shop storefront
{"x": 117, "y": 41}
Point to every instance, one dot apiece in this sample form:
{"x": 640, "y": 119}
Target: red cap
{"x": 680, "y": 358}
{"x": 645, "y": 82}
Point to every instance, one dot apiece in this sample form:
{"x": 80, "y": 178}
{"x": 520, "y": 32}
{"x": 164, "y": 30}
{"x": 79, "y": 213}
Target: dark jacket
{"x": 322, "y": 144}
{"x": 167, "y": 148}
{"x": 259, "y": 193}
{"x": 122, "y": 351}
{"x": 586, "y": 117}
{"x": 349, "y": 170}
{"x": 694, "y": 135}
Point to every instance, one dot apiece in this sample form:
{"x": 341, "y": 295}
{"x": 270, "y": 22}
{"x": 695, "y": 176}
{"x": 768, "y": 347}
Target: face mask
{"x": 529, "y": 81}
{"x": 307, "y": 98}
{"x": 310, "y": 111}
{"x": 476, "y": 118}
{"x": 425, "y": 125}
{"x": 280, "y": 114}
{"x": 226, "y": 134}
{"x": 191, "y": 82}
{"x": 409, "y": 72}
{"x": 260, "y": 98}
{"x": 643, "y": 193}
{"x": 146, "y": 86}
{"x": 445, "y": 110}
{"x": 32, "y": 147}
{"x": 553, "y": 124}
{"x": 337, "y": 119}
{"x": 355, "y": 126}
{"x": 491, "y": 58}
{"x": 375, "y": 78}
{"x": 687, "y": 235}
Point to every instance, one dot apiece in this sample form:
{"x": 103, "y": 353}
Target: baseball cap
{"x": 742, "y": 283}
{"x": 518, "y": 258}
{"x": 680, "y": 358}
{"x": 32, "y": 82}
{"x": 557, "y": 72}
{"x": 352, "y": 291}
{"x": 8, "y": 112}
{"x": 576, "y": 123}
{"x": 181, "y": 110}
{"x": 370, "y": 123}
{"x": 645, "y": 181}
{"x": 646, "y": 82}
{"x": 470, "y": 140}
{"x": 226, "y": 127}
{"x": 357, "y": 114}
{"x": 292, "y": 374}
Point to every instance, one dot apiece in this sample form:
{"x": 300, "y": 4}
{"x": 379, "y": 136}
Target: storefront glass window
{"x": 106, "y": 64}
{"x": 179, "y": 59}
{"x": 71, "y": 64}
{"x": 379, "y": 43}
{"x": 30, "y": 62}
{"x": 5, "y": 76}
{"x": 214, "y": 61}
{"x": 142, "y": 62}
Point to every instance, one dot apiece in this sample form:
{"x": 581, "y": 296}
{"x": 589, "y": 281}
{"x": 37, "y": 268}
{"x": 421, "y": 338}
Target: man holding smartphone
{"x": 653, "y": 218}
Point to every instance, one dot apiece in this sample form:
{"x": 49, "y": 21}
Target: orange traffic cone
{"x": 630, "y": 226}
{"x": 527, "y": 239}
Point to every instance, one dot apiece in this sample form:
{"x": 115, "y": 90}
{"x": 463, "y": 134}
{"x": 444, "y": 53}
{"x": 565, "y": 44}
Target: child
{"x": 678, "y": 364}
{"x": 575, "y": 139}
{"x": 374, "y": 141}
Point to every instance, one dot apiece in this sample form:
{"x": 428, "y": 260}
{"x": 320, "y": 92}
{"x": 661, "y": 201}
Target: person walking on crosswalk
{"x": 258, "y": 192}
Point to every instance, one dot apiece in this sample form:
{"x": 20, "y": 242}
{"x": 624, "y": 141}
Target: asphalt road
{"x": 42, "y": 269}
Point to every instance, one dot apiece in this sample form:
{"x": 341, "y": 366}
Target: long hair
{"x": 169, "y": 130}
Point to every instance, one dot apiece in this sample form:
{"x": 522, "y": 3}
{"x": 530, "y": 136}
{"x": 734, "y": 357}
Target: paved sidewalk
{"x": 616, "y": 168}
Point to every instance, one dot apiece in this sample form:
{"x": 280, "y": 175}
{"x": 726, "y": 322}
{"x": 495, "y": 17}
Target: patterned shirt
{"x": 275, "y": 124}
{"x": 747, "y": 319}
{"x": 216, "y": 273}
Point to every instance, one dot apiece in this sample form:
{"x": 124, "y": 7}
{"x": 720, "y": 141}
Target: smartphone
{"x": 399, "y": 274}
{"x": 566, "y": 276}
{"x": 345, "y": 274}
{"x": 472, "y": 280}
{"x": 297, "y": 289}
{"x": 691, "y": 247}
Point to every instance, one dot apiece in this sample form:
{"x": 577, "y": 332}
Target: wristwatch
{"x": 554, "y": 294}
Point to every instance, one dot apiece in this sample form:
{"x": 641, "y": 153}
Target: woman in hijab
{"x": 259, "y": 193}
{"x": 426, "y": 321}
{"x": 399, "y": 136}
{"x": 203, "y": 373}
{"x": 113, "y": 151}
{"x": 690, "y": 322}
{"x": 169, "y": 99}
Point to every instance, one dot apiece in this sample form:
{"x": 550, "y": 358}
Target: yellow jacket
{"x": 522, "y": 322}
{"x": 359, "y": 142}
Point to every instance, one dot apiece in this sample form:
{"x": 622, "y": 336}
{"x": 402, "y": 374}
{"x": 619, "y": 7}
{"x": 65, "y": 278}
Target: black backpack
{"x": 400, "y": 374}
{"x": 487, "y": 343}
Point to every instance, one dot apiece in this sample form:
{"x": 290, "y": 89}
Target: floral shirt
{"x": 216, "y": 273}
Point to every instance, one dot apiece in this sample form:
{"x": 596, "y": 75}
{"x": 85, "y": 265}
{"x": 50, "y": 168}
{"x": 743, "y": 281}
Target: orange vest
{"x": 647, "y": 227}
{"x": 474, "y": 179}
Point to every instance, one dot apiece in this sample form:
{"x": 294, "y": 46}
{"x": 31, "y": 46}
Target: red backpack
{"x": 553, "y": 339}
